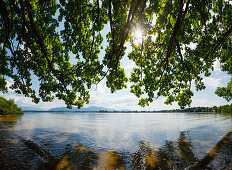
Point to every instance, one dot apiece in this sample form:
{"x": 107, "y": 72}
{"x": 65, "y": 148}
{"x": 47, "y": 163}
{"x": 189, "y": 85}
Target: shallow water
{"x": 109, "y": 140}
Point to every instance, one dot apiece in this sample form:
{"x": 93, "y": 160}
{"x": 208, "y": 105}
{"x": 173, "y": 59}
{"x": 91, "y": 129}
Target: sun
{"x": 138, "y": 34}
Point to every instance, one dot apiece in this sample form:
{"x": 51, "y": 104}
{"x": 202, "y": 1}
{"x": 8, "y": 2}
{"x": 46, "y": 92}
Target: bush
{"x": 225, "y": 109}
{"x": 9, "y": 107}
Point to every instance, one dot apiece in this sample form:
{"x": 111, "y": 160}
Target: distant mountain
{"x": 74, "y": 109}
{"x": 28, "y": 108}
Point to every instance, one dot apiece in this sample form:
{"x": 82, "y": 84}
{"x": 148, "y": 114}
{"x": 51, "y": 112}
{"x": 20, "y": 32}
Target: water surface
{"x": 130, "y": 140}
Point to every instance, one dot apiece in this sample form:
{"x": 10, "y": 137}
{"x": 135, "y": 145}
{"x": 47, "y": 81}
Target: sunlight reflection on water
{"x": 121, "y": 133}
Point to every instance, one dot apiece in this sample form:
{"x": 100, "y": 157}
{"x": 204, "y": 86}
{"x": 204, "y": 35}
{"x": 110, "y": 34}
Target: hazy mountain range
{"x": 64, "y": 109}
{"x": 74, "y": 109}
{"x": 28, "y": 108}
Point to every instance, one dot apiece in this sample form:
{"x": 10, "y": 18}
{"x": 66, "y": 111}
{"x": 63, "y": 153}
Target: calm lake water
{"x": 50, "y": 140}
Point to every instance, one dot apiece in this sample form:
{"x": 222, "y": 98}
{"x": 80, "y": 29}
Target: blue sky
{"x": 101, "y": 96}
{"x": 123, "y": 99}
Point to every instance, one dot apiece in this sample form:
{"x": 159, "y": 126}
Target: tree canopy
{"x": 181, "y": 40}
{"x": 9, "y": 107}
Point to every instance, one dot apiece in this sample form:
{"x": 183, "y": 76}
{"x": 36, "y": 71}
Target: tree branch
{"x": 172, "y": 38}
{"x": 39, "y": 40}
{"x": 5, "y": 16}
{"x": 94, "y": 24}
{"x": 176, "y": 26}
{"x": 111, "y": 27}
{"x": 182, "y": 61}
{"x": 126, "y": 29}
{"x": 220, "y": 41}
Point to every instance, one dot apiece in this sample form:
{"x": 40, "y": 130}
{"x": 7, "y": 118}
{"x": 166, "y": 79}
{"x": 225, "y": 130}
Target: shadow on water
{"x": 81, "y": 157}
{"x": 172, "y": 155}
{"x": 180, "y": 155}
{"x": 19, "y": 153}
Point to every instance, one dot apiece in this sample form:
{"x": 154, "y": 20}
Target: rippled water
{"x": 109, "y": 140}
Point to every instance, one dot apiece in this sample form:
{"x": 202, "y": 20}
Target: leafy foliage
{"x": 225, "y": 109}
{"x": 219, "y": 109}
{"x": 225, "y": 92}
{"x": 9, "y": 107}
{"x": 193, "y": 109}
{"x": 181, "y": 40}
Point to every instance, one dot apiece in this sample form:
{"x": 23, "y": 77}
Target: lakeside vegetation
{"x": 219, "y": 109}
{"x": 9, "y": 107}
{"x": 224, "y": 109}
{"x": 214, "y": 109}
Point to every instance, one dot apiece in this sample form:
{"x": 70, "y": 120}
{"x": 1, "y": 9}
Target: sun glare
{"x": 138, "y": 34}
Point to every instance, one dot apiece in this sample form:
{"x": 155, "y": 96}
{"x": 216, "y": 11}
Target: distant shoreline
{"x": 116, "y": 111}
{"x": 214, "y": 109}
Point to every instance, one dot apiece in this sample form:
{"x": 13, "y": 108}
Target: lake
{"x": 53, "y": 140}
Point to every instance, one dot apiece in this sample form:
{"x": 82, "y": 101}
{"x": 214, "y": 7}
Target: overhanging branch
{"x": 126, "y": 29}
{"x": 38, "y": 39}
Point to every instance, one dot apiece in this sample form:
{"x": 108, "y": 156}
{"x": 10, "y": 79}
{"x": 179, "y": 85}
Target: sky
{"x": 124, "y": 100}
{"x": 101, "y": 96}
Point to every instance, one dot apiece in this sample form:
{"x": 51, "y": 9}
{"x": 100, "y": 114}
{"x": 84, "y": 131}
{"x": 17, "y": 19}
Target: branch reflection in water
{"x": 177, "y": 155}
{"x": 173, "y": 155}
{"x": 49, "y": 149}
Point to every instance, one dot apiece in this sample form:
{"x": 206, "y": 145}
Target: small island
{"x": 9, "y": 107}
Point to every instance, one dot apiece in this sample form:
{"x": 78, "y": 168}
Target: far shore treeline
{"x": 219, "y": 109}
{"x": 9, "y": 107}
{"x": 224, "y": 109}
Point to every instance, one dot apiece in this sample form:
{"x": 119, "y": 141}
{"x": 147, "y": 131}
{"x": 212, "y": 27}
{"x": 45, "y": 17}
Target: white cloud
{"x": 207, "y": 102}
{"x": 124, "y": 100}
{"x": 213, "y": 82}
{"x": 130, "y": 66}
{"x": 101, "y": 96}
{"x": 193, "y": 45}
{"x": 217, "y": 66}
{"x": 9, "y": 83}
{"x": 23, "y": 101}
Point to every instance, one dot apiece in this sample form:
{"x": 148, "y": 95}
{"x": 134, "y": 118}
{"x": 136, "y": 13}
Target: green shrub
{"x": 9, "y": 107}
{"x": 225, "y": 109}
